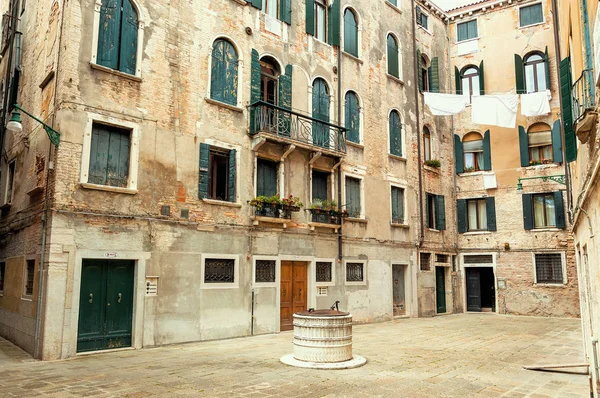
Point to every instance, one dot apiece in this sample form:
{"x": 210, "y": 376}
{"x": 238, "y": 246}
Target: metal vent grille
{"x": 218, "y": 270}
{"x": 322, "y": 291}
{"x": 323, "y": 271}
{"x": 424, "y": 260}
{"x": 479, "y": 259}
{"x": 548, "y": 268}
{"x": 441, "y": 258}
{"x": 265, "y": 271}
{"x": 152, "y": 286}
{"x": 354, "y": 272}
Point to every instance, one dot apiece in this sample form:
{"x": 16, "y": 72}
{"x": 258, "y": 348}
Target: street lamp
{"x": 559, "y": 178}
{"x": 14, "y": 124}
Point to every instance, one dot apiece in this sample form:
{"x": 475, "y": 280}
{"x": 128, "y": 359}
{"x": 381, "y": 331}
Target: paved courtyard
{"x": 468, "y": 355}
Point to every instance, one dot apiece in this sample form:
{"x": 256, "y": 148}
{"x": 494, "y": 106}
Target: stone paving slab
{"x": 466, "y": 355}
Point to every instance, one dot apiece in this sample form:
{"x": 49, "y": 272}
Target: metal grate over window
{"x": 265, "y": 270}
{"x": 323, "y": 271}
{"x": 424, "y": 260}
{"x": 441, "y": 258}
{"x": 479, "y": 259}
{"x": 354, "y": 272}
{"x": 218, "y": 270}
{"x": 548, "y": 268}
{"x": 30, "y": 275}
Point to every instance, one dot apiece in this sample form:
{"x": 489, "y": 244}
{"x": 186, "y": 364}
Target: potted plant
{"x": 534, "y": 162}
{"x": 469, "y": 169}
{"x": 433, "y": 163}
{"x": 266, "y": 206}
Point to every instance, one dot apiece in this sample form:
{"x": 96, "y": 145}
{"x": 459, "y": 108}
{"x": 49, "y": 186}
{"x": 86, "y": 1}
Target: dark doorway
{"x": 440, "y": 289}
{"x": 481, "y": 291}
{"x": 399, "y": 289}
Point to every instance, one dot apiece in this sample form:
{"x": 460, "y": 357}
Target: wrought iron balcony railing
{"x": 582, "y": 94}
{"x": 287, "y": 124}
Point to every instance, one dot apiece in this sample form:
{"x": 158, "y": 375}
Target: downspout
{"x": 416, "y": 72}
{"x": 339, "y": 168}
{"x": 562, "y": 110}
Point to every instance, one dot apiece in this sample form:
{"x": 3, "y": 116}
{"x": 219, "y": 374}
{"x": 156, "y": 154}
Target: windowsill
{"x": 319, "y": 41}
{"x": 394, "y": 78}
{"x": 395, "y": 8}
{"x": 549, "y": 229}
{"x": 353, "y": 57}
{"x": 560, "y": 285}
{"x": 107, "y": 188}
{"x": 532, "y": 25}
{"x": 468, "y": 40}
{"x": 475, "y": 173}
{"x": 362, "y": 283}
{"x": 116, "y": 72}
{"x": 356, "y": 219}
{"x": 396, "y": 225}
{"x": 314, "y": 225}
{"x": 542, "y": 166}
{"x": 424, "y": 29}
{"x": 241, "y": 2}
{"x": 435, "y": 170}
{"x": 433, "y": 230}
{"x": 355, "y": 145}
{"x": 400, "y": 158}
{"x": 470, "y": 233}
{"x": 224, "y": 105}
{"x": 26, "y": 298}
{"x": 221, "y": 203}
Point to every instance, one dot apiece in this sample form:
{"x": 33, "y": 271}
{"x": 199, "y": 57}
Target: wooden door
{"x": 473, "y": 289}
{"x": 440, "y": 289}
{"x": 399, "y": 290}
{"x": 292, "y": 295}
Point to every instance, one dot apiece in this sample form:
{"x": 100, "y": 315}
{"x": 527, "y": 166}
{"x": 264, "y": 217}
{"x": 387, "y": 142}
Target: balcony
{"x": 288, "y": 127}
{"x": 584, "y": 107}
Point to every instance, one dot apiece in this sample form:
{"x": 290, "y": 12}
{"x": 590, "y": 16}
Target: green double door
{"x": 105, "y": 305}
{"x": 440, "y": 289}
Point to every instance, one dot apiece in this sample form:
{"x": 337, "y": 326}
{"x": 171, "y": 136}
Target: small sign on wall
{"x": 110, "y": 255}
{"x": 501, "y": 284}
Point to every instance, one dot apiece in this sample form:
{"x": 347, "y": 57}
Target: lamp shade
{"x": 519, "y": 187}
{"x": 14, "y": 124}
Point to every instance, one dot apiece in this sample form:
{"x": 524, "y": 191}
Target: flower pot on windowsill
{"x": 540, "y": 162}
{"x": 433, "y": 163}
{"x": 275, "y": 207}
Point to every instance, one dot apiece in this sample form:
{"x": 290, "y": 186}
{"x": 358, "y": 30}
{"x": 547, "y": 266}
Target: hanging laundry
{"x": 535, "y": 104}
{"x": 495, "y": 110}
{"x": 445, "y": 104}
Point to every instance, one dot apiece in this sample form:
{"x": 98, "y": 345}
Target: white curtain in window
{"x": 482, "y": 214}
{"x": 472, "y": 210}
{"x": 321, "y": 23}
{"x": 550, "y": 214}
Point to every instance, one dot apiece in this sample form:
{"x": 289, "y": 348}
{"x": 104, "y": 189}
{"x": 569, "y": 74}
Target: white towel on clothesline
{"x": 495, "y": 110}
{"x": 535, "y": 104}
{"x": 445, "y": 104}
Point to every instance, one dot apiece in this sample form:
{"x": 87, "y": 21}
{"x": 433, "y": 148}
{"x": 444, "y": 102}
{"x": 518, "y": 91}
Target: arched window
{"x": 320, "y": 111}
{"x": 424, "y": 73}
{"x": 426, "y": 143}
{"x": 539, "y": 137}
{"x": 393, "y": 66}
{"x": 473, "y": 151}
{"x": 535, "y": 73}
{"x": 395, "y": 127}
{"x": 269, "y": 75}
{"x": 224, "y": 72}
{"x": 350, "y": 33}
{"x": 118, "y": 36}
{"x": 352, "y": 120}
{"x": 469, "y": 78}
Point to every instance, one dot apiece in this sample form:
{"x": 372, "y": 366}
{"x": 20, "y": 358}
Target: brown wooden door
{"x": 293, "y": 296}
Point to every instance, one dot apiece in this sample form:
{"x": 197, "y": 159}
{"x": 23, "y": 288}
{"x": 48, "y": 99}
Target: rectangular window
{"x": 478, "y": 259}
{"x": 355, "y": 272}
{"x": 476, "y": 215}
{"x": 28, "y": 278}
{"x": 353, "y": 205}
{"x": 270, "y": 7}
{"x": 467, "y": 30}
{"x": 441, "y": 258}
{"x": 320, "y": 20}
{"x": 219, "y": 270}
{"x": 109, "y": 156}
{"x": 544, "y": 212}
{"x": 430, "y": 213}
{"x": 265, "y": 271}
{"x": 320, "y": 185}
{"x": 324, "y": 271}
{"x": 10, "y": 182}
{"x": 266, "y": 177}
{"x": 422, "y": 19}
{"x": 397, "y": 205}
{"x": 2, "y": 273}
{"x": 427, "y": 145}
{"x": 540, "y": 147}
{"x": 424, "y": 261}
{"x": 531, "y": 15}
{"x": 218, "y": 186}
{"x": 548, "y": 268}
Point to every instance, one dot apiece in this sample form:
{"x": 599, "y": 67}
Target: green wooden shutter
{"x": 481, "y": 79}
{"x": 232, "y": 175}
{"x": 254, "y": 90}
{"x": 310, "y": 17}
{"x": 420, "y": 74}
{"x": 519, "y": 74}
{"x": 230, "y": 77}
{"x": 109, "y": 34}
{"x": 129, "y": 37}
{"x": 434, "y": 76}
{"x": 352, "y": 117}
{"x": 524, "y": 146}
{"x": 487, "y": 153}
{"x": 547, "y": 65}
{"x": 440, "y": 213}
{"x": 217, "y": 71}
{"x": 462, "y": 31}
{"x": 98, "y": 155}
{"x": 395, "y": 127}
{"x": 395, "y": 208}
{"x": 203, "y": 171}
{"x": 392, "y": 56}
{"x": 285, "y": 11}
{"x": 256, "y": 3}
{"x": 334, "y": 19}
{"x": 427, "y": 210}
{"x": 567, "y": 115}
{"x": 461, "y": 212}
{"x": 353, "y": 196}
{"x": 109, "y": 156}
{"x": 556, "y": 142}
{"x": 266, "y": 178}
{"x": 490, "y": 209}
{"x": 285, "y": 101}
{"x": 559, "y": 209}
{"x": 457, "y": 81}
{"x": 319, "y": 185}
{"x": 527, "y": 211}
{"x": 350, "y": 33}
{"x": 458, "y": 155}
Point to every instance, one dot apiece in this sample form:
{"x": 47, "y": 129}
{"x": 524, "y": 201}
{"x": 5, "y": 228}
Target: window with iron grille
{"x": 441, "y": 258}
{"x": 354, "y": 272}
{"x": 424, "y": 260}
{"x": 265, "y": 271}
{"x": 324, "y": 271}
{"x": 30, "y": 272}
{"x": 548, "y": 268}
{"x": 219, "y": 270}
{"x": 2, "y": 269}
{"x": 479, "y": 259}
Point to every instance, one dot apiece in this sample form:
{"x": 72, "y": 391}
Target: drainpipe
{"x": 416, "y": 72}
{"x": 562, "y": 110}
{"x": 339, "y": 169}
{"x": 596, "y": 368}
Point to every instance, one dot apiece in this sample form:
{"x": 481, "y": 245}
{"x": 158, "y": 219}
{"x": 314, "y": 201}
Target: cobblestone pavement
{"x": 467, "y": 355}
